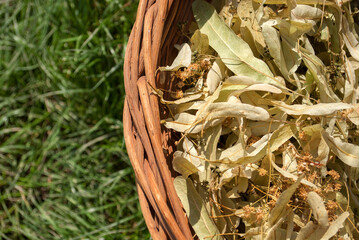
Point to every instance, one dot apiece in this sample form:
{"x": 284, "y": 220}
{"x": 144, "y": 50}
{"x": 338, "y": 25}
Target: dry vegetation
{"x": 266, "y": 104}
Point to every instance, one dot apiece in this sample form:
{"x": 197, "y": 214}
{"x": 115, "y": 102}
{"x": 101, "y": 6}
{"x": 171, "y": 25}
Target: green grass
{"x": 64, "y": 171}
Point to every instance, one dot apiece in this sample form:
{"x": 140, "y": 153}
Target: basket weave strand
{"x": 150, "y": 146}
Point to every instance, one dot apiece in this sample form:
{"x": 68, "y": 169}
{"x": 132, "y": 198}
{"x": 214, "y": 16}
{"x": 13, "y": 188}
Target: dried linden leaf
{"x": 183, "y": 58}
{"x": 225, "y": 110}
{"x": 195, "y": 209}
{"x": 354, "y": 115}
{"x": 182, "y": 122}
{"x": 350, "y": 90}
{"x": 292, "y": 176}
{"x": 350, "y": 39}
{"x": 347, "y": 152}
{"x": 249, "y": 28}
{"x": 311, "y": 2}
{"x": 281, "y": 205}
{"x": 185, "y": 99}
{"x": 305, "y": 13}
{"x": 335, "y": 226}
{"x": 306, "y": 231}
{"x": 200, "y": 43}
{"x": 320, "y": 214}
{"x": 215, "y": 75}
{"x": 318, "y": 208}
{"x": 317, "y": 69}
{"x": 210, "y": 141}
{"x": 234, "y": 51}
{"x": 314, "y": 110}
{"x": 294, "y": 29}
{"x": 271, "y": 96}
{"x": 183, "y": 166}
{"x": 272, "y": 39}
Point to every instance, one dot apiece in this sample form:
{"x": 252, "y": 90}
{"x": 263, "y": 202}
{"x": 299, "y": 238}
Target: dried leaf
{"x": 317, "y": 69}
{"x": 185, "y": 99}
{"x": 334, "y": 30}
{"x": 232, "y": 153}
{"x": 335, "y": 226}
{"x": 350, "y": 82}
{"x": 292, "y": 4}
{"x": 294, "y": 29}
{"x": 183, "y": 107}
{"x": 183, "y": 166}
{"x": 243, "y": 127}
{"x": 190, "y": 152}
{"x": 259, "y": 87}
{"x": 280, "y": 136}
{"x": 281, "y": 205}
{"x": 320, "y": 214}
{"x": 263, "y": 128}
{"x": 311, "y": 2}
{"x": 249, "y": 28}
{"x": 218, "y": 220}
{"x": 233, "y": 221}
{"x": 253, "y": 154}
{"x": 229, "y": 90}
{"x": 234, "y": 52}
{"x": 289, "y": 160}
{"x": 259, "y": 149}
{"x": 272, "y": 39}
{"x": 306, "y": 231}
{"x": 318, "y": 208}
{"x": 347, "y": 152}
{"x": 273, "y": 228}
{"x": 354, "y": 115}
{"x": 305, "y": 13}
{"x": 210, "y": 140}
{"x": 200, "y": 42}
{"x": 292, "y": 176}
{"x": 225, "y": 110}
{"x": 183, "y": 58}
{"x": 240, "y": 80}
{"x": 290, "y": 225}
{"x": 215, "y": 75}
{"x": 319, "y": 109}
{"x": 195, "y": 209}
{"x": 182, "y": 122}
{"x": 351, "y": 42}
{"x": 228, "y": 175}
{"x": 291, "y": 55}
{"x": 263, "y": 180}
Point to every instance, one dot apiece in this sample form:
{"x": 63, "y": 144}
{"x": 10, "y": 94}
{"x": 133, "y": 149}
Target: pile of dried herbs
{"x": 266, "y": 102}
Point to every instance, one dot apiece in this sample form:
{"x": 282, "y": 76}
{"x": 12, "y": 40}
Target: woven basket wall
{"x": 149, "y": 145}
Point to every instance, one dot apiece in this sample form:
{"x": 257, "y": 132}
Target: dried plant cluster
{"x": 266, "y": 104}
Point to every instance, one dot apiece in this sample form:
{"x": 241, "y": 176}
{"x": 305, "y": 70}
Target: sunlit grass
{"x": 64, "y": 172}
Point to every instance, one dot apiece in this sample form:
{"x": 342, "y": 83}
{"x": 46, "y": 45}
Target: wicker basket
{"x": 150, "y": 146}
